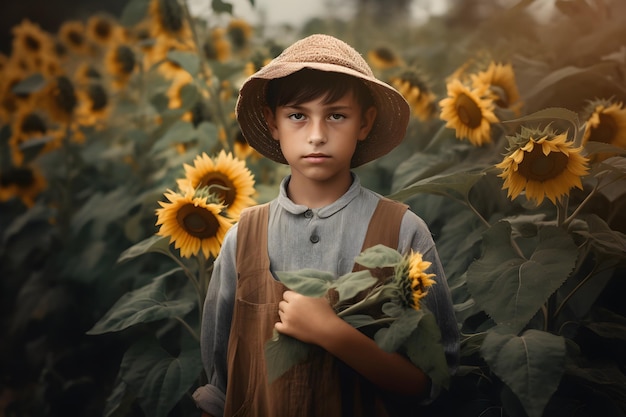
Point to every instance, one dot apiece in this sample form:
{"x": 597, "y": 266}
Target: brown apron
{"x": 320, "y": 387}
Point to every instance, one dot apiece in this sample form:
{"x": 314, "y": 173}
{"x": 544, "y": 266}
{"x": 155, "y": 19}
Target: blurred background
{"x": 107, "y": 105}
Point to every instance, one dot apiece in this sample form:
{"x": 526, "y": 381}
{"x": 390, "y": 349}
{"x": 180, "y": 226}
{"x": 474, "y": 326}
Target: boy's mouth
{"x": 316, "y": 157}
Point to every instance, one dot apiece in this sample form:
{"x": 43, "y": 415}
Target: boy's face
{"x": 318, "y": 139}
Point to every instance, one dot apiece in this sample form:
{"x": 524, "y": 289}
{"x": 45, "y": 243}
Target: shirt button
{"x": 314, "y": 238}
{"x": 308, "y": 214}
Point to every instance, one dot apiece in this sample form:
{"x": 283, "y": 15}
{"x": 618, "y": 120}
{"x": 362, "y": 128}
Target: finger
{"x": 287, "y": 295}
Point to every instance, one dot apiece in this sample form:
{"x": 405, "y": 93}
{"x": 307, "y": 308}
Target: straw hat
{"x": 325, "y": 53}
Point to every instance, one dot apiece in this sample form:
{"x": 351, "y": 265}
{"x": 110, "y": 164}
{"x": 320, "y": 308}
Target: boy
{"x": 318, "y": 108}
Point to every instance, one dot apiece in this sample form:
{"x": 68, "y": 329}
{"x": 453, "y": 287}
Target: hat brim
{"x": 387, "y": 132}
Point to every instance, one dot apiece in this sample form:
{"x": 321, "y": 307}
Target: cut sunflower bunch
{"x": 388, "y": 308}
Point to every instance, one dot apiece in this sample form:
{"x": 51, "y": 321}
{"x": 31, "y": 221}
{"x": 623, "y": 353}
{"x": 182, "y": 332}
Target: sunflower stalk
{"x": 205, "y": 68}
{"x": 186, "y": 325}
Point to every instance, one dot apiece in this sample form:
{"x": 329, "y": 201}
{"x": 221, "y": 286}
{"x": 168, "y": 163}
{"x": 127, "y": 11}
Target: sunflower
{"x": 500, "y": 79}
{"x": 606, "y": 123}
{"x": 168, "y": 18}
{"x": 542, "y": 163}
{"x": 72, "y": 35}
{"x": 192, "y": 223}
{"x": 93, "y": 105}
{"x": 120, "y": 62}
{"x": 226, "y": 177}
{"x": 10, "y": 100}
{"x": 30, "y": 41}
{"x": 158, "y": 56}
{"x": 102, "y": 29}
{"x": 174, "y": 91}
{"x": 416, "y": 92}
{"x": 30, "y": 130}
{"x": 413, "y": 279}
{"x": 239, "y": 32}
{"x": 59, "y": 99}
{"x": 25, "y": 183}
{"x": 469, "y": 112}
{"x": 383, "y": 58}
{"x": 216, "y": 47}
{"x": 86, "y": 74}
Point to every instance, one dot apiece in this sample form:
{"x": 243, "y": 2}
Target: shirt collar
{"x": 285, "y": 202}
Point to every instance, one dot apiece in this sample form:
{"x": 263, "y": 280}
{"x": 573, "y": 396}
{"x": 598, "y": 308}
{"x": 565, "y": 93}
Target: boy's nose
{"x": 317, "y": 134}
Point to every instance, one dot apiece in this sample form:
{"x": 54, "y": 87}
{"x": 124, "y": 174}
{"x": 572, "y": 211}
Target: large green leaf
{"x": 378, "y": 256}
{"x": 391, "y": 338}
{"x": 283, "y": 352}
{"x": 159, "y": 378}
{"x": 309, "y": 282}
{"x": 531, "y": 365}
{"x": 455, "y": 185}
{"x": 606, "y": 241}
{"x": 349, "y": 285}
{"x": 149, "y": 303}
{"x": 510, "y": 288}
{"x": 425, "y": 350}
{"x": 189, "y": 61}
{"x": 154, "y": 243}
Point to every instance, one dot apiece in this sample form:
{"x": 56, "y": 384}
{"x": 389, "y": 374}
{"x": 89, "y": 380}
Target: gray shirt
{"x": 328, "y": 238}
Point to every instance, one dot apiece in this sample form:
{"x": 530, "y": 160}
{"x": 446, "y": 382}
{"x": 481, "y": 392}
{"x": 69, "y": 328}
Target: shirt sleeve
{"x": 415, "y": 235}
{"x": 216, "y": 322}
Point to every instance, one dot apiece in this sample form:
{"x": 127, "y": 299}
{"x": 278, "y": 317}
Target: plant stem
{"x": 188, "y": 327}
{"x": 571, "y": 293}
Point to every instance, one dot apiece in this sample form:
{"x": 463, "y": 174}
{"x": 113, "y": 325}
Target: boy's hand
{"x": 305, "y": 318}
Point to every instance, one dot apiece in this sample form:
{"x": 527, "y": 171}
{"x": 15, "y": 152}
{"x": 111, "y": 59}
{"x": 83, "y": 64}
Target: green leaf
{"x": 29, "y": 85}
{"x": 608, "y": 242}
{"x": 531, "y": 365}
{"x": 146, "y": 304}
{"x": 189, "y": 61}
{"x": 511, "y": 289}
{"x": 159, "y": 378}
{"x": 352, "y": 283}
{"x": 282, "y": 352}
{"x": 309, "y": 282}
{"x": 180, "y": 132}
{"x": 424, "y": 349}
{"x": 134, "y": 12}
{"x": 455, "y": 185}
{"x": 359, "y": 320}
{"x": 379, "y": 256}
{"x": 220, "y": 6}
{"x": 154, "y": 243}
{"x": 391, "y": 338}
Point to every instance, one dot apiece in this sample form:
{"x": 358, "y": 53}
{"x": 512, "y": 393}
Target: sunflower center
{"x": 125, "y": 57}
{"x": 76, "y": 38}
{"x": 32, "y": 123}
{"x": 220, "y": 185}
{"x": 22, "y": 177}
{"x": 103, "y": 29}
{"x": 32, "y": 43}
{"x": 64, "y": 94}
{"x": 197, "y": 221}
{"x": 539, "y": 167}
{"x": 171, "y": 15}
{"x": 605, "y": 130}
{"x": 468, "y": 111}
{"x": 98, "y": 96}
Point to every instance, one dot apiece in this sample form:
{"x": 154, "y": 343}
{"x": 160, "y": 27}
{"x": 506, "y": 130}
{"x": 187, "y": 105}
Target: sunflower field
{"x": 122, "y": 167}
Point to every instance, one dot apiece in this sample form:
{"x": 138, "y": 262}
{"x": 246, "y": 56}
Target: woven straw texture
{"x": 325, "y": 53}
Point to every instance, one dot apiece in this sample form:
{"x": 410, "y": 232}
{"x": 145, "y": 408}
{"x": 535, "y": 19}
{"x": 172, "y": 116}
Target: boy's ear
{"x": 367, "y": 122}
{"x": 270, "y": 119}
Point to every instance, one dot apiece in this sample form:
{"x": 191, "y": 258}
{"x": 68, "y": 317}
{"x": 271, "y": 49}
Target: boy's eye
{"x": 296, "y": 116}
{"x": 337, "y": 116}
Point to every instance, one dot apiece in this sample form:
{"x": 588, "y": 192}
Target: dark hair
{"x": 309, "y": 84}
